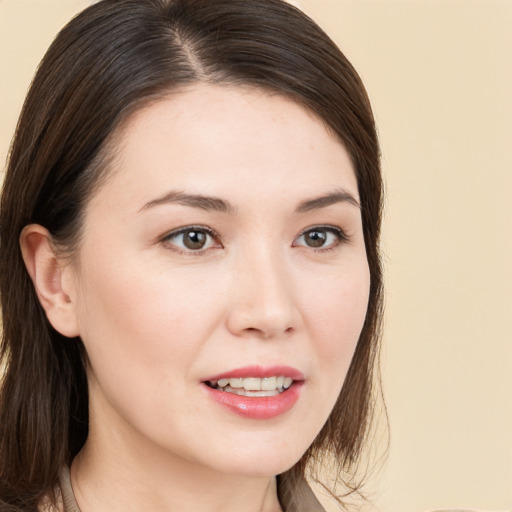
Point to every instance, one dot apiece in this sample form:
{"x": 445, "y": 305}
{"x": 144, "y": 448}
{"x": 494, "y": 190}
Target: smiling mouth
{"x": 252, "y": 386}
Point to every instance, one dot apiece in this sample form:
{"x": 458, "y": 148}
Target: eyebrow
{"x": 207, "y": 203}
{"x": 339, "y": 196}
{"x": 210, "y": 203}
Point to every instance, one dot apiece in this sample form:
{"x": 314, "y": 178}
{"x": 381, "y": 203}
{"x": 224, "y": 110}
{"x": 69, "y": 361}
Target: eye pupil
{"x": 194, "y": 239}
{"x": 315, "y": 238}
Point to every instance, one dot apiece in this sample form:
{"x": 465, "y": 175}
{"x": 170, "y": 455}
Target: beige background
{"x": 439, "y": 74}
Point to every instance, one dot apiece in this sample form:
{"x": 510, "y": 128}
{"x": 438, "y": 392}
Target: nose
{"x": 264, "y": 303}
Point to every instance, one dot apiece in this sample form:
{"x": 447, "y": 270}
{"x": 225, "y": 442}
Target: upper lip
{"x": 259, "y": 371}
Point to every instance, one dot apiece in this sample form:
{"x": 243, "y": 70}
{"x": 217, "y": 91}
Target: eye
{"x": 192, "y": 239}
{"x": 321, "y": 237}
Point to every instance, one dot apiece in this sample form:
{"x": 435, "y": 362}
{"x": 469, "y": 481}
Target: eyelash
{"x": 339, "y": 234}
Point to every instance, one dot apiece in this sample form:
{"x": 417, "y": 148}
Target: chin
{"x": 259, "y": 462}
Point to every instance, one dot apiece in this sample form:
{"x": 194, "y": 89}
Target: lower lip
{"x": 264, "y": 407}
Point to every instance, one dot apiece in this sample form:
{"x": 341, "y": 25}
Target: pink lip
{"x": 258, "y": 407}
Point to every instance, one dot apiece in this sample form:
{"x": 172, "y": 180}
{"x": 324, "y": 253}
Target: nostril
{"x": 266, "y": 334}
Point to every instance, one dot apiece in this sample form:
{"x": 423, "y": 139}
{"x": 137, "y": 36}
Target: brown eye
{"x": 191, "y": 239}
{"x": 315, "y": 238}
{"x": 194, "y": 239}
{"x": 321, "y": 238}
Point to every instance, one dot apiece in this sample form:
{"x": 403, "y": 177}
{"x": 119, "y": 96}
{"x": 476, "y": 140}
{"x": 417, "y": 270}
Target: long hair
{"x": 110, "y": 60}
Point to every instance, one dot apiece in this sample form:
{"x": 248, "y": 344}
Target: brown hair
{"x": 108, "y": 61}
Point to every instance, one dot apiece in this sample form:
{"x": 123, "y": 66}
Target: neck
{"x": 107, "y": 477}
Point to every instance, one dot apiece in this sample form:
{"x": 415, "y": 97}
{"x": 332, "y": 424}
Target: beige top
{"x": 308, "y": 501}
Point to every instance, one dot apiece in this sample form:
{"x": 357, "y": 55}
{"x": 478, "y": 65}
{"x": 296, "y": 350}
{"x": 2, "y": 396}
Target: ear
{"x": 52, "y": 279}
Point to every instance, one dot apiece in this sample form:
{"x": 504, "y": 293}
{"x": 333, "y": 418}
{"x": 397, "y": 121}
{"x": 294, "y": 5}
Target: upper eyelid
{"x": 328, "y": 227}
{"x": 211, "y": 231}
{"x": 184, "y": 229}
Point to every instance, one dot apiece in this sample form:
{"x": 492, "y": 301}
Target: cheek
{"x": 335, "y": 310}
{"x": 138, "y": 318}
{"x": 336, "y": 314}
{"x": 143, "y": 328}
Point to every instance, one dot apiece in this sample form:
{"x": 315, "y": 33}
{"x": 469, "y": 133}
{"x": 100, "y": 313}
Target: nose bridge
{"x": 264, "y": 302}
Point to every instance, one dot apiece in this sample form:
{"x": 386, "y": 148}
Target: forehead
{"x": 226, "y": 140}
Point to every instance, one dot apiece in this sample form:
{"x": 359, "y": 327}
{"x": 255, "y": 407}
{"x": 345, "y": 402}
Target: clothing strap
{"x": 70, "y": 504}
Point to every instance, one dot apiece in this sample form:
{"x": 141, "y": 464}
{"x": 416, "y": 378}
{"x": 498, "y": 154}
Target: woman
{"x": 190, "y": 279}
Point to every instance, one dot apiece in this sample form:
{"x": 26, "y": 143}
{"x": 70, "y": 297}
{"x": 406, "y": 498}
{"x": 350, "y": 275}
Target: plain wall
{"x": 439, "y": 74}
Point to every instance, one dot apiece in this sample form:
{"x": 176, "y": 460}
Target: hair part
{"x": 109, "y": 61}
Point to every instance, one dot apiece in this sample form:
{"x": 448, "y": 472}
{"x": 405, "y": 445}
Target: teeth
{"x": 254, "y": 385}
{"x": 251, "y": 384}
{"x": 236, "y": 383}
{"x": 268, "y": 383}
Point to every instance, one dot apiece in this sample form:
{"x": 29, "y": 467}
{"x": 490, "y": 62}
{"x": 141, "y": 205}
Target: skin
{"x": 158, "y": 318}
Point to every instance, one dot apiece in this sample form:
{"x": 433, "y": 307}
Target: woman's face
{"x": 224, "y": 254}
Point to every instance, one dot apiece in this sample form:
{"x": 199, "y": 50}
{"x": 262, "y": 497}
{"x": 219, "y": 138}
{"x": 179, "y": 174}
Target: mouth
{"x": 255, "y": 392}
{"x": 252, "y": 386}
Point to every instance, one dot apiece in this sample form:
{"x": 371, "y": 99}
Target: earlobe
{"x": 49, "y": 276}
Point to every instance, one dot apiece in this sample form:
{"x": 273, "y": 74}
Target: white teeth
{"x": 252, "y": 384}
{"x": 268, "y": 383}
{"x": 255, "y": 384}
{"x": 236, "y": 383}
